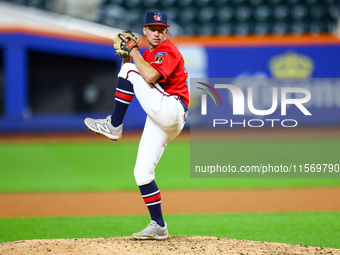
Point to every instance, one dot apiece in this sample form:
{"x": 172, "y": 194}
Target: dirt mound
{"x": 174, "y": 245}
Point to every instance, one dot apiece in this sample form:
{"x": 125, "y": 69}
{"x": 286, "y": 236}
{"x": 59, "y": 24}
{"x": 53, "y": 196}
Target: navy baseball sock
{"x": 124, "y": 95}
{"x": 152, "y": 199}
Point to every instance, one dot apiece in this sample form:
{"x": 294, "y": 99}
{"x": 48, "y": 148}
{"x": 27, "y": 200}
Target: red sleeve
{"x": 165, "y": 60}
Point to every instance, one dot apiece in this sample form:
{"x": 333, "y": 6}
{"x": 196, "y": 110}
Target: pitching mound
{"x": 174, "y": 245}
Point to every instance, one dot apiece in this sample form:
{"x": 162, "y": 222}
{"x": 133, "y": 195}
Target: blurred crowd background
{"x": 206, "y": 17}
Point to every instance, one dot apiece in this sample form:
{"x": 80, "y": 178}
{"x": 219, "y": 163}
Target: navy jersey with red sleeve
{"x": 169, "y": 62}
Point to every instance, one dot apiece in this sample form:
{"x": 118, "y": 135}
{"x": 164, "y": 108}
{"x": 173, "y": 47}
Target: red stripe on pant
{"x": 152, "y": 199}
{"x": 124, "y": 96}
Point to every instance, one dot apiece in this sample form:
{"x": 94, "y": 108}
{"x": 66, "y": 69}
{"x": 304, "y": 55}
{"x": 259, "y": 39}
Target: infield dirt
{"x": 174, "y": 202}
{"x": 174, "y": 245}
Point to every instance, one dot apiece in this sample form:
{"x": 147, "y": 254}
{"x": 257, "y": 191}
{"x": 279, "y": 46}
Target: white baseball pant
{"x": 165, "y": 120}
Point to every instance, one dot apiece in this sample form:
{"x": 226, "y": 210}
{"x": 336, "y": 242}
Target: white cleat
{"x": 104, "y": 127}
{"x": 152, "y": 232}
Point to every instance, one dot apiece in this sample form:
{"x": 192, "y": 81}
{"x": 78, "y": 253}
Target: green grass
{"x": 309, "y": 228}
{"x": 109, "y": 166}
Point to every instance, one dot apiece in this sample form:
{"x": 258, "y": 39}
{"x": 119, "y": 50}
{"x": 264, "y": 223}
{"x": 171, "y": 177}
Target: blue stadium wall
{"x": 318, "y": 60}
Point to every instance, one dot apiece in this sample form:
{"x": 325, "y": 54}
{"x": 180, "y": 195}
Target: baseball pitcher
{"x": 158, "y": 80}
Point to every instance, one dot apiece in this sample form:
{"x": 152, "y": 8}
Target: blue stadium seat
{"x": 316, "y": 27}
{"x": 188, "y": 15}
{"x": 207, "y": 29}
{"x": 225, "y": 28}
{"x": 280, "y": 28}
{"x": 202, "y": 2}
{"x": 238, "y": 2}
{"x": 332, "y": 2}
{"x": 220, "y": 16}
{"x": 262, "y": 28}
{"x": 243, "y": 29}
{"x": 274, "y": 2}
{"x": 243, "y": 13}
{"x": 298, "y": 27}
{"x": 299, "y": 12}
{"x": 334, "y": 12}
{"x": 191, "y": 29}
{"x": 119, "y": 2}
{"x": 151, "y": 3}
{"x": 168, "y": 3}
{"x": 221, "y": 3}
{"x": 318, "y": 12}
{"x": 224, "y": 13}
{"x": 311, "y": 2}
{"x": 330, "y": 27}
{"x": 206, "y": 14}
{"x": 262, "y": 13}
{"x": 255, "y": 2}
{"x": 281, "y": 12}
{"x": 132, "y": 3}
{"x": 294, "y": 2}
{"x": 135, "y": 16}
{"x": 185, "y": 3}
{"x": 172, "y": 13}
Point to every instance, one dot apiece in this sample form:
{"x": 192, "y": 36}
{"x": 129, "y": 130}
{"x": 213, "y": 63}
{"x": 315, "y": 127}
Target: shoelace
{"x": 152, "y": 224}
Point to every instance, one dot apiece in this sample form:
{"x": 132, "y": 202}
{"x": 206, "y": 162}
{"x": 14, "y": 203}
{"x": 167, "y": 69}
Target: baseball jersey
{"x": 169, "y": 62}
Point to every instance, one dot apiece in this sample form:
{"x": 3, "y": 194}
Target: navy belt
{"x": 183, "y": 104}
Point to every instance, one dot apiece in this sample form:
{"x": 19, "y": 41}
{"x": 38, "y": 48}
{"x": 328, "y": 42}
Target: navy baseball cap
{"x": 156, "y": 18}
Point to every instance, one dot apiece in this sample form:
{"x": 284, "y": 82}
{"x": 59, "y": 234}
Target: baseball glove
{"x": 124, "y": 46}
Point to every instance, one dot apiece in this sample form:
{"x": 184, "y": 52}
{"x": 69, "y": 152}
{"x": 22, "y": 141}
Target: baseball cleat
{"x": 152, "y": 232}
{"x": 104, "y": 127}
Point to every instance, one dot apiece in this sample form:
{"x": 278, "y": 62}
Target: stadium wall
{"x": 230, "y": 57}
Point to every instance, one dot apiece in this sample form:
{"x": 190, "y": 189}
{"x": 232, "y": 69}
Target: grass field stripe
{"x": 212, "y": 90}
{"x": 29, "y": 172}
{"x": 278, "y": 227}
{"x": 209, "y": 94}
